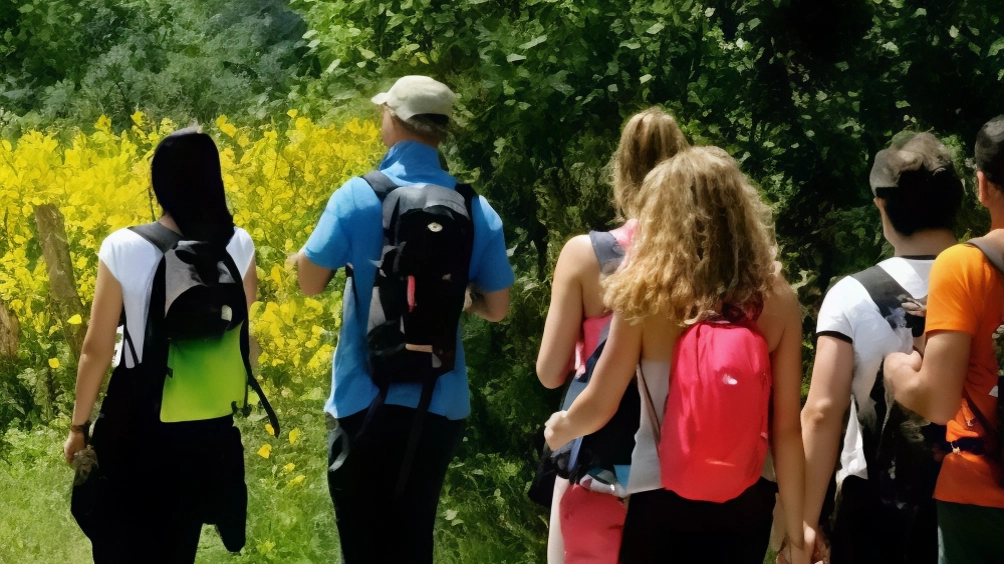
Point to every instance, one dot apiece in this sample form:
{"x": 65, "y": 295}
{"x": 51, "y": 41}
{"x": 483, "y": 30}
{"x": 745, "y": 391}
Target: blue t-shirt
{"x": 350, "y": 233}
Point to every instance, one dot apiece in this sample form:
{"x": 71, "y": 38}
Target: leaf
{"x": 451, "y": 514}
{"x": 75, "y": 320}
{"x": 534, "y": 42}
{"x": 294, "y": 435}
{"x": 644, "y": 78}
{"x": 656, "y": 28}
{"x": 513, "y": 57}
{"x": 995, "y": 47}
{"x": 953, "y": 32}
{"x": 265, "y": 450}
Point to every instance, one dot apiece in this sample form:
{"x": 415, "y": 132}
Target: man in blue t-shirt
{"x": 375, "y": 523}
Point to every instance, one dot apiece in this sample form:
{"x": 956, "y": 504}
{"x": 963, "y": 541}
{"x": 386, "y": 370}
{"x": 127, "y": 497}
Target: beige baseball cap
{"x": 414, "y": 95}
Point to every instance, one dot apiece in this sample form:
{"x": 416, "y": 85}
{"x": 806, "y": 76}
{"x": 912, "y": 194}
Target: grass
{"x": 484, "y": 513}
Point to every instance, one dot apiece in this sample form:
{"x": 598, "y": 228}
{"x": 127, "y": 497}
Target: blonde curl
{"x": 649, "y": 137}
{"x": 704, "y": 238}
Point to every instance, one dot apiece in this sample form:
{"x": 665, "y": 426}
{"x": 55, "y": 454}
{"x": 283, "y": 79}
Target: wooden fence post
{"x": 10, "y": 332}
{"x": 62, "y": 282}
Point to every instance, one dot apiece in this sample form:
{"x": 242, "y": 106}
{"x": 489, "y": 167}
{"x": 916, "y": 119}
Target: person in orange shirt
{"x": 955, "y": 380}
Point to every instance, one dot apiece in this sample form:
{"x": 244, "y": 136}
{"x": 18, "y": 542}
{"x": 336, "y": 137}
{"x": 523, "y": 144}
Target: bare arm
{"x": 565, "y": 314}
{"x": 789, "y": 458}
{"x": 251, "y": 283}
{"x": 493, "y": 306}
{"x": 932, "y": 385}
{"x": 823, "y": 419}
{"x": 313, "y": 278}
{"x": 599, "y": 401}
{"x": 96, "y": 353}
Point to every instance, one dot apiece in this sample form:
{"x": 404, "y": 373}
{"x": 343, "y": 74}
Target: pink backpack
{"x": 714, "y": 431}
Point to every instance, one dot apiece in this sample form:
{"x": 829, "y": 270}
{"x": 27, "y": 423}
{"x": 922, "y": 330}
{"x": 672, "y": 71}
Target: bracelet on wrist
{"x": 80, "y": 429}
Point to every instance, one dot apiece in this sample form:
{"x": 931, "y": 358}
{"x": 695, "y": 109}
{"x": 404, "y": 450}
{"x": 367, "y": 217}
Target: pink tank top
{"x": 592, "y": 327}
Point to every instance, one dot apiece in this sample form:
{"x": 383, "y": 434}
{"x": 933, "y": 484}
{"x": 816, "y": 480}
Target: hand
{"x": 554, "y": 430}
{"x": 820, "y": 548}
{"x": 895, "y": 361}
{"x": 74, "y": 444}
{"x": 813, "y": 550}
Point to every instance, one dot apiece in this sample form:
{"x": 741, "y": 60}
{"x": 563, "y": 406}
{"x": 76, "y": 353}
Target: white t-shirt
{"x": 849, "y": 313}
{"x": 132, "y": 260}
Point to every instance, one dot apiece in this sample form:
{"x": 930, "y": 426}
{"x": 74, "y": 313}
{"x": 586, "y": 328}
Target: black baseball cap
{"x": 913, "y": 161}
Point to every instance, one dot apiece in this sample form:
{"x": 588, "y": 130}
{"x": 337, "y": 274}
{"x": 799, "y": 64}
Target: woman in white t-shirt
{"x": 160, "y": 480}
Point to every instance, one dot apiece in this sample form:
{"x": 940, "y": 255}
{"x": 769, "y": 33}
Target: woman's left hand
{"x": 74, "y": 444}
{"x": 555, "y": 432}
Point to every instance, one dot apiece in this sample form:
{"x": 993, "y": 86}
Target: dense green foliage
{"x": 803, "y": 93}
{"x": 73, "y": 60}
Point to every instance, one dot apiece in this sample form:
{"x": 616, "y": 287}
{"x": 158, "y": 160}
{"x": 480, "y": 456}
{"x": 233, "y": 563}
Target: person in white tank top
{"x": 704, "y": 239}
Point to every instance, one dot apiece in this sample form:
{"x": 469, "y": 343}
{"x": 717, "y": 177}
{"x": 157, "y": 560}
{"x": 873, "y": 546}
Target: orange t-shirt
{"x": 966, "y": 293}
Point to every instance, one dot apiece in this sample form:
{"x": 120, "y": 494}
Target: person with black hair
{"x": 917, "y": 194}
{"x": 956, "y": 380}
{"x": 160, "y": 481}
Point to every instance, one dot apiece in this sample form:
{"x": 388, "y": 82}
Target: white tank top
{"x": 645, "y": 456}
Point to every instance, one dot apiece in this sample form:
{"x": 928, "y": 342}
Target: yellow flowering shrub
{"x": 278, "y": 178}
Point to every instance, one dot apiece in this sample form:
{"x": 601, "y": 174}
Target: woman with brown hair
{"x": 586, "y": 525}
{"x": 704, "y": 242}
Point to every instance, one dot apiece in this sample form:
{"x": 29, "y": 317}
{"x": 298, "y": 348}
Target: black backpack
{"x": 195, "y": 370}
{"x": 196, "y": 351}
{"x": 903, "y": 451}
{"x": 596, "y": 455}
{"x": 419, "y": 290}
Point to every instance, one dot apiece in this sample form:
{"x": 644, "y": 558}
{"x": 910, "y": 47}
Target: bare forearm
{"x": 789, "y": 464}
{"x": 90, "y": 374}
{"x": 821, "y": 441}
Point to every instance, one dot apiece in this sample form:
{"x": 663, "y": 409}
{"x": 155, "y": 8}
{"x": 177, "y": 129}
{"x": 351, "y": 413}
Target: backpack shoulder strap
{"x": 608, "y": 251}
{"x": 470, "y": 196}
{"x": 158, "y": 235}
{"x": 886, "y": 292}
{"x": 991, "y": 249}
{"x": 380, "y": 184}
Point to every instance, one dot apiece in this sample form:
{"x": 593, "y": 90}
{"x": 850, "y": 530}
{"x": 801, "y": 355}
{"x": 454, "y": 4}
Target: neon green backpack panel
{"x": 206, "y": 377}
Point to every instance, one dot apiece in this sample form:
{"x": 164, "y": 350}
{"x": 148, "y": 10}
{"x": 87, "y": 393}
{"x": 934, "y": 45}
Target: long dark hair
{"x": 188, "y": 184}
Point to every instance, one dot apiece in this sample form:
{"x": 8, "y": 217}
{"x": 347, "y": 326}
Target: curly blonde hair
{"x": 648, "y": 138}
{"x": 704, "y": 239}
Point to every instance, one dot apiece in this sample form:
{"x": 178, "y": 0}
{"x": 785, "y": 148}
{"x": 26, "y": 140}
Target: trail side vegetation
{"x": 802, "y": 93}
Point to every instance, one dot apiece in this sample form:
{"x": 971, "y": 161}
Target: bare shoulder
{"x": 781, "y": 296}
{"x": 577, "y": 257}
{"x": 781, "y": 311}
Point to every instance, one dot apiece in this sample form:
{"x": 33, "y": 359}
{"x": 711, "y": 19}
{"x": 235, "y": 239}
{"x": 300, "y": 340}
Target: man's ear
{"x": 983, "y": 189}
